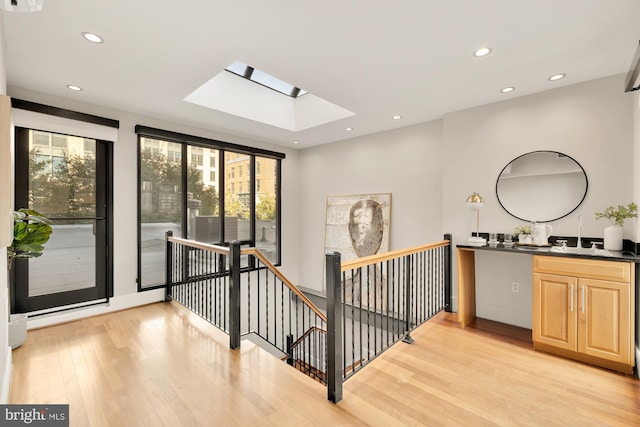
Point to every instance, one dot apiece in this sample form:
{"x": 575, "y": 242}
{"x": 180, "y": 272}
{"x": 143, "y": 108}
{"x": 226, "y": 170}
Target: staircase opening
{"x": 371, "y": 303}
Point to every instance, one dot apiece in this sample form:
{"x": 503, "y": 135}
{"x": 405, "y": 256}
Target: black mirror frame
{"x": 586, "y": 189}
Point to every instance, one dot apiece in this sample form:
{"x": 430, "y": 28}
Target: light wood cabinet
{"x": 554, "y": 311}
{"x": 584, "y": 309}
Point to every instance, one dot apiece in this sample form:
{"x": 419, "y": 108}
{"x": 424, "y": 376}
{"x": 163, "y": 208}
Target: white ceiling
{"x": 376, "y": 58}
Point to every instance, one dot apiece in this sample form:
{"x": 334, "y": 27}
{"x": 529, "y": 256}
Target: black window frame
{"x": 22, "y": 104}
{"x": 222, "y": 147}
{"x": 252, "y": 74}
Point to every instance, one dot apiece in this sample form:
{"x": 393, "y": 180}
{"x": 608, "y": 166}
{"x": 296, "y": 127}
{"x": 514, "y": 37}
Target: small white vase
{"x": 524, "y": 239}
{"x": 613, "y": 238}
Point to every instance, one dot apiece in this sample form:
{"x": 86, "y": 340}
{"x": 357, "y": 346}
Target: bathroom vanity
{"x": 583, "y": 304}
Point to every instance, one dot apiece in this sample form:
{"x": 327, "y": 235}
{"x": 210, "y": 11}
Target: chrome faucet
{"x": 579, "y": 244}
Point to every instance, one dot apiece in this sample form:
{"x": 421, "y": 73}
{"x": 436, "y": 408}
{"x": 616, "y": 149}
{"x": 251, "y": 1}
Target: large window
{"x": 266, "y": 209}
{"x": 202, "y": 197}
{"x": 225, "y": 199}
{"x": 67, "y": 179}
{"x": 160, "y": 205}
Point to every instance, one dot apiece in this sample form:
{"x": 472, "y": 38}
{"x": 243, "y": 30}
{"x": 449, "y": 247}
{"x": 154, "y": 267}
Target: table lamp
{"x": 475, "y": 202}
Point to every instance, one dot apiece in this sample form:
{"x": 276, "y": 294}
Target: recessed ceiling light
{"x": 93, "y": 38}
{"x": 482, "y": 51}
{"x": 396, "y": 117}
{"x": 556, "y": 77}
{"x": 74, "y": 87}
{"x": 296, "y": 142}
{"x": 348, "y": 129}
{"x": 507, "y": 89}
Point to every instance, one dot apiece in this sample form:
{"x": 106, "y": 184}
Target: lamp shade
{"x": 475, "y": 201}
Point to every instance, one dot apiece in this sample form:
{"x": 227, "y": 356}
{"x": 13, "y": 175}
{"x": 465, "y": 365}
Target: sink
{"x": 580, "y": 251}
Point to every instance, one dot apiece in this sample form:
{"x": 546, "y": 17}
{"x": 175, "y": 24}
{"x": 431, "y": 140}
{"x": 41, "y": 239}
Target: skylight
{"x": 246, "y": 92}
{"x": 264, "y": 79}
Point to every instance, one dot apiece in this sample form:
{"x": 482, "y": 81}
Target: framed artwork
{"x": 358, "y": 226}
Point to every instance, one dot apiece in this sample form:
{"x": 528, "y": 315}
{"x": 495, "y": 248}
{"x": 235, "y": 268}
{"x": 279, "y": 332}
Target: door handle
{"x": 571, "y": 297}
{"x": 99, "y": 218}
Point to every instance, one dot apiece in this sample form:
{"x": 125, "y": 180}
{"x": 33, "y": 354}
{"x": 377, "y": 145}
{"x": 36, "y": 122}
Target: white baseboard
{"x": 6, "y": 378}
{"x": 115, "y": 304}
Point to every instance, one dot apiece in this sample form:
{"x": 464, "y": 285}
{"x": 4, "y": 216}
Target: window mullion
{"x": 222, "y": 173}
{"x": 183, "y": 184}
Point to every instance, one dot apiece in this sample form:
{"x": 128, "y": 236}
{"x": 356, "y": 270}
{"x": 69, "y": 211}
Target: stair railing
{"x": 375, "y": 301}
{"x": 279, "y": 313}
{"x": 372, "y": 302}
{"x": 308, "y": 353}
{"x": 197, "y": 277}
{"x": 211, "y": 281}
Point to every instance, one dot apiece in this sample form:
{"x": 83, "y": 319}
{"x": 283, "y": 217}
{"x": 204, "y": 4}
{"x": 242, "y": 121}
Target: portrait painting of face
{"x": 366, "y": 227}
{"x": 358, "y": 226}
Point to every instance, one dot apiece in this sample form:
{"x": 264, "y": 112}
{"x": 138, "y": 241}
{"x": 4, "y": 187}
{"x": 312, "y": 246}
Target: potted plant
{"x": 616, "y": 215}
{"x": 524, "y": 233}
{"x": 31, "y": 230}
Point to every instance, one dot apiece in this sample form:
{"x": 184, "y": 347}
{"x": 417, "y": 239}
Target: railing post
{"x": 407, "y": 300}
{"x": 289, "y": 349}
{"x": 334, "y": 326}
{"x": 184, "y": 257}
{"x": 168, "y": 267}
{"x": 234, "y": 294}
{"x": 447, "y": 273}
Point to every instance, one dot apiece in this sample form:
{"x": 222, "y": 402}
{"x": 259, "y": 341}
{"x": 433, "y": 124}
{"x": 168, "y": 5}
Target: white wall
{"x": 591, "y": 122}
{"x": 125, "y": 200}
{"x": 495, "y": 300}
{"x": 431, "y": 168}
{"x": 404, "y": 162}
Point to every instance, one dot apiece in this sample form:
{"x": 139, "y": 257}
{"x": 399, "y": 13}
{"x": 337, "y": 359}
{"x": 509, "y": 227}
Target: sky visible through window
{"x": 264, "y": 79}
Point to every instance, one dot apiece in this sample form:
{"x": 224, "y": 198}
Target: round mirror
{"x": 541, "y": 186}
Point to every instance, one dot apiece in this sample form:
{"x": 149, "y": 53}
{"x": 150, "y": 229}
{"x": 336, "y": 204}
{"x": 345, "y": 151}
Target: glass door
{"x": 66, "y": 178}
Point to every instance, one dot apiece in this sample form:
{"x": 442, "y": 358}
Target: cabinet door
{"x": 555, "y": 321}
{"x": 604, "y": 320}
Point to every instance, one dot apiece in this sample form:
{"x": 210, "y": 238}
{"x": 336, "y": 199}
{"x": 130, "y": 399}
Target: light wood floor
{"x": 159, "y": 365}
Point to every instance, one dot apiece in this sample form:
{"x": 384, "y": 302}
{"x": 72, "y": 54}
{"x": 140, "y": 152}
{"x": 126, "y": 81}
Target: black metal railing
{"x": 280, "y": 314}
{"x": 211, "y": 281}
{"x": 372, "y": 302}
{"x": 197, "y": 277}
{"x": 376, "y": 301}
{"x": 308, "y": 353}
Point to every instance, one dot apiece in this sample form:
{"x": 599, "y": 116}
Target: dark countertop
{"x": 627, "y": 256}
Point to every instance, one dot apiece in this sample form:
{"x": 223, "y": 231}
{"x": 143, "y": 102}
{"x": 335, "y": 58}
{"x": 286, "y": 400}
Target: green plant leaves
{"x": 31, "y": 230}
{"x": 617, "y": 215}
